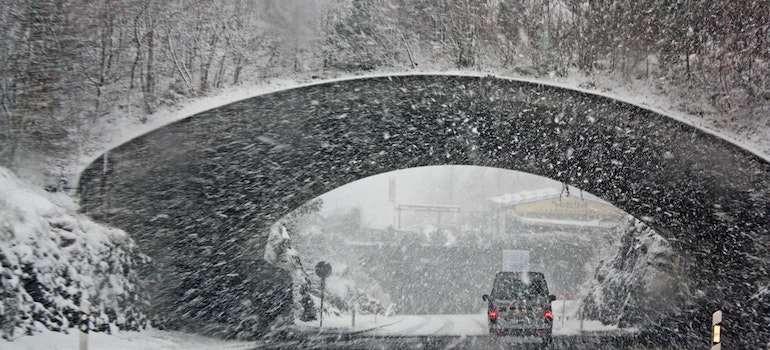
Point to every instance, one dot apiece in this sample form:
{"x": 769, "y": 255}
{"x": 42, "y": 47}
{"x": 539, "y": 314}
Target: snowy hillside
{"x": 52, "y": 258}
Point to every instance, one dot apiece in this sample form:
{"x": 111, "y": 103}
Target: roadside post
{"x": 353, "y": 307}
{"x": 716, "y": 330}
{"x": 563, "y": 309}
{"x": 580, "y": 315}
{"x": 322, "y": 270}
{"x": 377, "y": 305}
{"x": 83, "y": 325}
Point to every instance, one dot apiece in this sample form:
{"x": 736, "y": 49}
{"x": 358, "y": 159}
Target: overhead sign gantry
{"x": 438, "y": 209}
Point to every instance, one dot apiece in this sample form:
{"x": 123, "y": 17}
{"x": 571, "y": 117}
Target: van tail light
{"x": 492, "y": 314}
{"x": 548, "y": 314}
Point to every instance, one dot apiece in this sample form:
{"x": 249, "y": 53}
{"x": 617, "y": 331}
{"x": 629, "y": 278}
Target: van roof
{"x": 530, "y": 274}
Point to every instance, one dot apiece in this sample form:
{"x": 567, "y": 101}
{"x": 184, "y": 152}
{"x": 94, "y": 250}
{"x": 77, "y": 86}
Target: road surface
{"x": 444, "y": 332}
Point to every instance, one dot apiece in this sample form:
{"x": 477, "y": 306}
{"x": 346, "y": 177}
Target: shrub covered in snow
{"x": 52, "y": 258}
{"x": 280, "y": 252}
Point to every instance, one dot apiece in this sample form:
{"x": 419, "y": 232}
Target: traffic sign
{"x": 515, "y": 260}
{"x": 323, "y": 269}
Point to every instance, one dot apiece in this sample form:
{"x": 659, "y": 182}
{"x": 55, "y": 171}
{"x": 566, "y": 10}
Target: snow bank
{"x": 146, "y": 340}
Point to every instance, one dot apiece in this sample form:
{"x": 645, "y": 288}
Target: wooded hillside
{"x": 66, "y": 64}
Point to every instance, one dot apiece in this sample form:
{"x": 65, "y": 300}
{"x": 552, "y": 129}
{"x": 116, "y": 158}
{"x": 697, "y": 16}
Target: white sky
{"x": 464, "y": 186}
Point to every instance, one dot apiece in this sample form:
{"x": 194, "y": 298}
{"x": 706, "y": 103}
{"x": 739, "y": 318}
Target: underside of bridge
{"x": 199, "y": 195}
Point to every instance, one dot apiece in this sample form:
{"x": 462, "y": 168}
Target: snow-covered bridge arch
{"x": 199, "y": 195}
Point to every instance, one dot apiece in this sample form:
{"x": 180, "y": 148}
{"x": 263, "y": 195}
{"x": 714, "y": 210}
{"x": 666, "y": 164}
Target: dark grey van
{"x": 520, "y": 305}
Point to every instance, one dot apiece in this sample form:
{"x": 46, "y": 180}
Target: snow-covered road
{"x": 566, "y": 322}
{"x": 461, "y": 331}
{"x": 410, "y": 325}
{"x": 466, "y": 331}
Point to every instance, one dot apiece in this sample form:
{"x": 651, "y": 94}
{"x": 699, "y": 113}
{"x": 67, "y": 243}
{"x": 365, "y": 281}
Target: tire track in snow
{"x": 404, "y": 327}
{"x": 429, "y": 326}
{"x": 448, "y": 325}
{"x": 483, "y": 325}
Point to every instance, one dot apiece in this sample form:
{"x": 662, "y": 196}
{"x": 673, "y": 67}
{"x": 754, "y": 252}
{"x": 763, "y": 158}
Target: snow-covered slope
{"x": 637, "y": 282}
{"x": 151, "y": 339}
{"x": 52, "y": 258}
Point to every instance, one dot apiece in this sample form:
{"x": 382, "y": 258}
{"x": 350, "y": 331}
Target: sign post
{"x": 716, "y": 330}
{"x": 322, "y": 270}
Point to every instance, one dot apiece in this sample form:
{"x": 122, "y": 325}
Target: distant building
{"x": 551, "y": 209}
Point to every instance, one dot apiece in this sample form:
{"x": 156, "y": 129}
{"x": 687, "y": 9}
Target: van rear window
{"x": 511, "y": 288}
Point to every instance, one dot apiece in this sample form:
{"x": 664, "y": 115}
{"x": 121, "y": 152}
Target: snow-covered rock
{"x": 52, "y": 258}
{"x": 638, "y": 283}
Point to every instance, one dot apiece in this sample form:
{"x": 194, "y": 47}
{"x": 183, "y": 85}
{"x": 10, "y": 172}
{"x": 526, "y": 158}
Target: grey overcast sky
{"x": 464, "y": 186}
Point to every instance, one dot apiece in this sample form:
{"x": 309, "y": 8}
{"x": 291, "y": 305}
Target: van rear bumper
{"x": 521, "y": 332}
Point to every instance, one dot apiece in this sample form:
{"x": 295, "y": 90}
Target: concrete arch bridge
{"x": 200, "y": 194}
